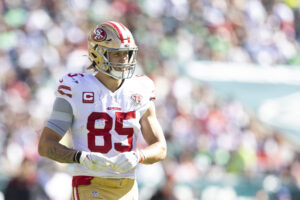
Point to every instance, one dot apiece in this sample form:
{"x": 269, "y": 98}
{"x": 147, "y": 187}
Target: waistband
{"x": 111, "y": 182}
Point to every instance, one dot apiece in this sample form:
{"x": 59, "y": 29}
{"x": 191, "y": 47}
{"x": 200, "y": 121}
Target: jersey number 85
{"x": 107, "y": 146}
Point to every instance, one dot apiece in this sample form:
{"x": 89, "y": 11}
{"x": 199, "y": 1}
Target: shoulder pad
{"x": 72, "y": 77}
{"x": 147, "y": 84}
{"x": 67, "y": 84}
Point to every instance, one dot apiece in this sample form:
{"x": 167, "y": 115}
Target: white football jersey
{"x": 105, "y": 121}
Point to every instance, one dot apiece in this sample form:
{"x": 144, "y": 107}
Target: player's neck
{"x": 109, "y": 82}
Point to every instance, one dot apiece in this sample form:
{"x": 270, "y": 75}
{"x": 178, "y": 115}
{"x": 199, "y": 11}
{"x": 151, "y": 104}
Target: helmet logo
{"x": 99, "y": 35}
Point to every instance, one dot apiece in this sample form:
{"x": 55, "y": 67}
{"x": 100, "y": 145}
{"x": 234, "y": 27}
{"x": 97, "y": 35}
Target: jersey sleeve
{"x": 68, "y": 87}
{"x": 65, "y": 88}
{"x": 152, "y": 95}
{"x": 61, "y": 117}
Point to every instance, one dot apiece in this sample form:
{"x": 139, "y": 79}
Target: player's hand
{"x": 94, "y": 161}
{"x": 125, "y": 162}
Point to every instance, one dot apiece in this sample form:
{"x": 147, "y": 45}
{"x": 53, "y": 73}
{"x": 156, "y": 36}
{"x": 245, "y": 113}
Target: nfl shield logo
{"x": 136, "y": 98}
{"x": 94, "y": 193}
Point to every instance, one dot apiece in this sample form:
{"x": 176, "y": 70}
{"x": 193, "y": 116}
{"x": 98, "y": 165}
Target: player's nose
{"x": 123, "y": 58}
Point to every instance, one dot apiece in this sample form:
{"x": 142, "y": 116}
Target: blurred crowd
{"x": 209, "y": 139}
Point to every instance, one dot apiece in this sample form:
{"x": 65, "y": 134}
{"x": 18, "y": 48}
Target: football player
{"x": 105, "y": 112}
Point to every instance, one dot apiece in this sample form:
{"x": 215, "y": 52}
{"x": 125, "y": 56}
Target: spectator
{"x": 24, "y": 185}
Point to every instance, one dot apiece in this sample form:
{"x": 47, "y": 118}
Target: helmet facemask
{"x": 114, "y": 69}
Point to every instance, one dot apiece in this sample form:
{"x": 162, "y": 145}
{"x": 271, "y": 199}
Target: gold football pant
{"x": 88, "y": 187}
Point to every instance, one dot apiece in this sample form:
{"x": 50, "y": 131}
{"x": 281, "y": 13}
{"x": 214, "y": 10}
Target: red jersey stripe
{"x": 62, "y": 93}
{"x": 65, "y": 88}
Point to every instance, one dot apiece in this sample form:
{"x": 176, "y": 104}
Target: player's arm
{"x": 153, "y": 135}
{"x": 154, "y": 152}
{"x": 59, "y": 122}
{"x": 57, "y": 125}
{"x": 50, "y": 147}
